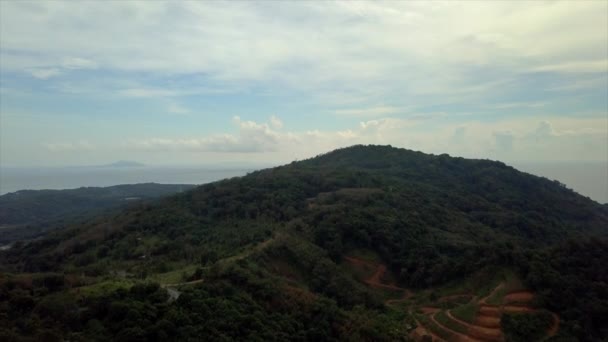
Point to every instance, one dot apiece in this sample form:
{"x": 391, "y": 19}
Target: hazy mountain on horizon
{"x": 124, "y": 163}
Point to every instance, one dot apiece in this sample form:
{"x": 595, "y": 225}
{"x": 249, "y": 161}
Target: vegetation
{"x": 497, "y": 297}
{"x": 435, "y": 329}
{"x": 28, "y": 214}
{"x": 572, "y": 280}
{"x": 526, "y": 327}
{"x": 271, "y": 247}
{"x": 442, "y": 318}
{"x": 467, "y": 312}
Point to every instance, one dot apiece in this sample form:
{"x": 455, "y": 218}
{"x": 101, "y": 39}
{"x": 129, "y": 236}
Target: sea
{"x": 15, "y": 179}
{"x": 587, "y": 178}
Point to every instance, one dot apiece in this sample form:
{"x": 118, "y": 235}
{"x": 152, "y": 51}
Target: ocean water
{"x": 14, "y": 179}
{"x": 588, "y": 179}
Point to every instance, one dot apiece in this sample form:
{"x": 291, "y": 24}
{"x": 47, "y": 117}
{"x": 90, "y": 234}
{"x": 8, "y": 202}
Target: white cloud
{"x": 593, "y": 66}
{"x": 381, "y": 126}
{"x": 361, "y": 60}
{"x": 600, "y": 82}
{"x": 175, "y": 108}
{"x": 275, "y": 122}
{"x": 368, "y": 112}
{"x": 508, "y": 139}
{"x": 78, "y": 63}
{"x": 142, "y": 91}
{"x": 78, "y": 146}
{"x": 251, "y": 137}
{"x": 399, "y": 47}
{"x": 503, "y": 141}
{"x": 45, "y": 74}
{"x": 543, "y": 130}
{"x": 514, "y": 139}
{"x": 459, "y": 135}
{"x": 519, "y": 104}
{"x": 146, "y": 92}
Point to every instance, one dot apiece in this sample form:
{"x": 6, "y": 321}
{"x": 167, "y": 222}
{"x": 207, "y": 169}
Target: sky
{"x": 202, "y": 82}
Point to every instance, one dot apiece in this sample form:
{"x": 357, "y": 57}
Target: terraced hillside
{"x": 470, "y": 318}
{"x": 482, "y": 319}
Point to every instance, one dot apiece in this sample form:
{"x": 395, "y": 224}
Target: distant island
{"x": 124, "y": 163}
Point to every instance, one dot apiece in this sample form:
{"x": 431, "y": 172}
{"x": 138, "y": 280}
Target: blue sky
{"x": 202, "y": 82}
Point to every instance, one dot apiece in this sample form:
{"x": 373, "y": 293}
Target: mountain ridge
{"x": 279, "y": 240}
{"x": 124, "y": 163}
{"x": 30, "y": 213}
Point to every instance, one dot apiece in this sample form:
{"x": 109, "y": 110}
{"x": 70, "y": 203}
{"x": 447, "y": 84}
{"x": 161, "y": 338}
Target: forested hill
{"x": 355, "y": 244}
{"x": 28, "y": 213}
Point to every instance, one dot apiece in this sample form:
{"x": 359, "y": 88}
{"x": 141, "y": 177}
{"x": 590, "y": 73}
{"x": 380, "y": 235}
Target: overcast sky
{"x": 202, "y": 82}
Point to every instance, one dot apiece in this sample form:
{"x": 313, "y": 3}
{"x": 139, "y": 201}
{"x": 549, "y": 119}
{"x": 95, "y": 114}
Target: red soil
{"x": 488, "y": 321}
{"x": 483, "y": 333}
{"x": 517, "y": 309}
{"x": 429, "y": 310}
{"x": 376, "y": 279}
{"x": 454, "y": 296}
{"x": 359, "y": 262}
{"x": 486, "y": 326}
{"x": 456, "y": 336}
{"x": 555, "y": 326}
{"x": 519, "y": 297}
{"x": 489, "y": 310}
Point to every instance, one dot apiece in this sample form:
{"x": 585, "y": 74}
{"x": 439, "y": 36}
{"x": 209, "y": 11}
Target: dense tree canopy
{"x": 27, "y": 214}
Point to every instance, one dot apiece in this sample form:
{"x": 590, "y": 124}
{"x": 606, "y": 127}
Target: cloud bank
{"x": 419, "y": 47}
{"x": 161, "y": 80}
{"x": 506, "y": 139}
